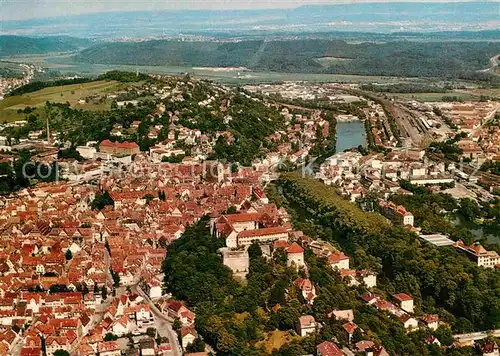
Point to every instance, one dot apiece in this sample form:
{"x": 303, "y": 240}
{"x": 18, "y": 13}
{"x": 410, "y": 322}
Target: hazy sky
{"x": 24, "y": 9}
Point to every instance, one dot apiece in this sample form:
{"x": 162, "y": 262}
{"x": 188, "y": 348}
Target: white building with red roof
{"x": 109, "y": 348}
{"x": 307, "y": 288}
{"x": 405, "y": 302}
{"x": 338, "y": 260}
{"x": 237, "y": 260}
{"x": 307, "y": 325}
{"x": 295, "y": 256}
{"x": 265, "y": 235}
{"x": 431, "y": 321}
{"x": 479, "y": 254}
{"x": 396, "y": 212}
{"x": 409, "y": 322}
{"x": 119, "y": 148}
{"x": 328, "y": 348}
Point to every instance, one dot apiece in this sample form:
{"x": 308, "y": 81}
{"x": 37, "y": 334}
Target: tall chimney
{"x": 48, "y": 130}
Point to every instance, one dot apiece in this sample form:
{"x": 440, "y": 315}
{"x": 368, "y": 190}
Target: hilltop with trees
{"x": 446, "y": 59}
{"x": 441, "y": 280}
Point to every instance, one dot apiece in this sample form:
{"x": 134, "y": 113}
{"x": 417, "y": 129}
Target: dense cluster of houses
{"x": 355, "y": 174}
{"x": 59, "y": 259}
{"x": 55, "y": 268}
{"x": 379, "y": 126}
{"x": 8, "y": 84}
{"x": 476, "y": 120}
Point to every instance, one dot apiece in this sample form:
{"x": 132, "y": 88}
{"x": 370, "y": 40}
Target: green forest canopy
{"x": 393, "y": 58}
{"x": 440, "y": 279}
{"x": 235, "y": 318}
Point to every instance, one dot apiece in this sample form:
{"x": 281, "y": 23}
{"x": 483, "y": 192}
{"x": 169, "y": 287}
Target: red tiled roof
{"x": 350, "y": 327}
{"x": 402, "y": 297}
{"x": 430, "y": 318}
{"x": 126, "y": 144}
{"x": 109, "y": 346}
{"x": 295, "y": 248}
{"x": 188, "y": 330}
{"x": 280, "y": 244}
{"x": 404, "y": 318}
{"x": 328, "y": 348}
{"x": 262, "y": 232}
{"x": 232, "y": 218}
{"x": 362, "y": 345}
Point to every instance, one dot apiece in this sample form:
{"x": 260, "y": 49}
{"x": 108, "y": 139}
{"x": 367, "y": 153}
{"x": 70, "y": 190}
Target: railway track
{"x": 409, "y": 126}
{"x": 487, "y": 178}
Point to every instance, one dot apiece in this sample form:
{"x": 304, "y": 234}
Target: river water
{"x": 493, "y": 237}
{"x": 350, "y": 134}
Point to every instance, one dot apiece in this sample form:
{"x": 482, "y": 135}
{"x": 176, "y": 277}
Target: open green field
{"x": 328, "y": 61}
{"x": 61, "y": 94}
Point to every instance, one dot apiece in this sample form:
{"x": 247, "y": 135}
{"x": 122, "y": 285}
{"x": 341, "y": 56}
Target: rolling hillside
{"x": 10, "y": 107}
{"x": 398, "y": 58}
{"x": 20, "y": 45}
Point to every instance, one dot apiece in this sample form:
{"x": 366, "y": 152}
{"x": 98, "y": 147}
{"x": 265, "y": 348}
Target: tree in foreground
{"x": 196, "y": 346}
{"x": 101, "y": 200}
{"x": 110, "y": 337}
{"x": 61, "y": 353}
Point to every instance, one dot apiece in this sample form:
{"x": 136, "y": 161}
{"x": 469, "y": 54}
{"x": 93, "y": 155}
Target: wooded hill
{"x": 396, "y": 58}
{"x": 441, "y": 280}
{"x": 20, "y": 45}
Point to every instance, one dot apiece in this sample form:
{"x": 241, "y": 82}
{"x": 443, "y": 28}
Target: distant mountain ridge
{"x": 363, "y": 17}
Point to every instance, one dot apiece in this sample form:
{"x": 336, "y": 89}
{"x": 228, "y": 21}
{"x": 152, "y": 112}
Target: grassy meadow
{"x": 68, "y": 93}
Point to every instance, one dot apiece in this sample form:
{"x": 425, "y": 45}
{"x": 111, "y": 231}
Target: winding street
{"x": 471, "y": 337}
{"x": 163, "y": 323}
{"x": 494, "y": 61}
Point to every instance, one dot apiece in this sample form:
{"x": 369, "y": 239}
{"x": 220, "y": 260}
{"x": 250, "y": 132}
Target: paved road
{"x": 102, "y": 308}
{"x": 476, "y": 336}
{"x": 16, "y": 347}
{"x": 163, "y": 323}
{"x": 494, "y": 61}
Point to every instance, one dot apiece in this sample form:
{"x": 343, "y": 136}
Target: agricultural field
{"x": 492, "y": 92}
{"x": 69, "y": 93}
